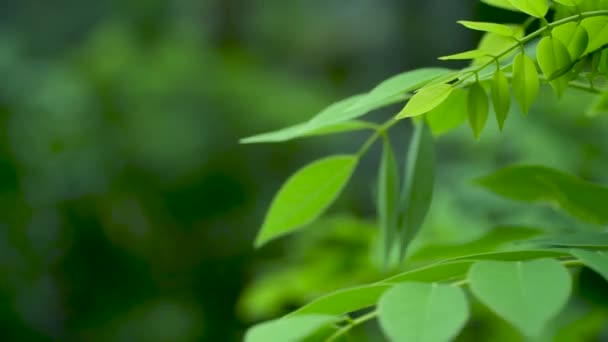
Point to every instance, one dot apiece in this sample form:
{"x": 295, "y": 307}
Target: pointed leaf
{"x": 525, "y": 82}
{"x": 472, "y": 54}
{"x": 539, "y": 184}
{"x": 423, "y": 312}
{"x": 554, "y": 60}
{"x": 388, "y": 198}
{"x": 529, "y": 254}
{"x": 450, "y": 114}
{"x": 503, "y": 30}
{"x": 292, "y": 329}
{"x": 418, "y": 184}
{"x": 535, "y": 8}
{"x": 494, "y": 44}
{"x": 425, "y": 100}
{"x": 574, "y": 37}
{"x": 501, "y": 97}
{"x": 579, "y": 239}
{"x": 597, "y": 29}
{"x": 595, "y": 260}
{"x": 307, "y": 130}
{"x": 571, "y": 3}
{"x": 306, "y": 195}
{"x": 526, "y": 294}
{"x": 344, "y": 301}
{"x": 478, "y": 108}
{"x": 504, "y": 4}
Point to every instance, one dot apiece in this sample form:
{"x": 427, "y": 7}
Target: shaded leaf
{"x": 526, "y": 294}
{"x": 574, "y": 37}
{"x": 418, "y": 184}
{"x": 503, "y": 30}
{"x": 388, "y": 198}
{"x": 289, "y": 329}
{"x": 425, "y": 100}
{"x": 539, "y": 184}
{"x": 306, "y": 195}
{"x": 478, "y": 108}
{"x": 501, "y": 97}
{"x": 599, "y": 106}
{"x": 595, "y": 260}
{"x": 554, "y": 60}
{"x": 472, "y": 54}
{"x": 535, "y": 8}
{"x": 516, "y": 255}
{"x": 579, "y": 239}
{"x": 525, "y": 82}
{"x": 433, "y": 273}
{"x": 450, "y": 114}
{"x": 423, "y": 312}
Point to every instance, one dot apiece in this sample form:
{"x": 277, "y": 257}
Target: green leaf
{"x": 344, "y": 301}
{"x": 554, "y": 60}
{"x": 595, "y": 260}
{"x": 450, "y": 114}
{"x": 425, "y": 100}
{"x": 599, "y": 106}
{"x": 574, "y": 37}
{"x": 603, "y": 62}
{"x": 494, "y": 44}
{"x": 433, "y": 273}
{"x": 571, "y": 3}
{"x": 525, "y": 82}
{"x": 503, "y": 30}
{"x": 423, "y": 312}
{"x": 526, "y": 294}
{"x": 478, "y": 108}
{"x": 597, "y": 29}
{"x": 535, "y": 8}
{"x": 418, "y": 184}
{"x": 306, "y": 195}
{"x": 489, "y": 243}
{"x": 539, "y": 184}
{"x": 307, "y": 130}
{"x": 472, "y": 54}
{"x": 517, "y": 255}
{"x": 579, "y": 239}
{"x": 501, "y": 97}
{"x": 289, "y": 329}
{"x": 504, "y": 4}
{"x": 388, "y": 198}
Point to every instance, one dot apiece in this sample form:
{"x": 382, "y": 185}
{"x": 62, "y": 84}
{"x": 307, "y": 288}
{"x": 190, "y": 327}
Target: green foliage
{"x": 519, "y": 273}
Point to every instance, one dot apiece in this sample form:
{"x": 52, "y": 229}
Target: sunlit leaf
{"x": 569, "y": 2}
{"x": 595, "y": 260}
{"x": 450, "y": 114}
{"x": 574, "y": 37}
{"x": 554, "y": 60}
{"x": 388, "y": 198}
{"x": 597, "y": 28}
{"x": 525, "y": 82}
{"x": 306, "y": 130}
{"x": 535, "y": 8}
{"x": 432, "y": 273}
{"x": 517, "y": 255}
{"x": 292, "y": 329}
{"x": 504, "y": 4}
{"x": 418, "y": 184}
{"x": 426, "y": 100}
{"x": 494, "y": 44}
{"x": 423, "y": 312}
{"x": 503, "y": 30}
{"x": 478, "y": 108}
{"x": 501, "y": 97}
{"x": 526, "y": 294}
{"x": 306, "y": 195}
{"x": 472, "y": 54}
{"x": 344, "y": 301}
{"x": 582, "y": 199}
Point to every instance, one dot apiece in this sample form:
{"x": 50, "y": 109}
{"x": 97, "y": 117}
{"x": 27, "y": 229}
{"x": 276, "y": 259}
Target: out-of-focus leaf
{"x": 513, "y": 255}
{"x": 289, "y": 329}
{"x": 450, "y": 114}
{"x": 580, "y": 239}
{"x": 526, "y": 294}
{"x": 584, "y": 200}
{"x": 423, "y": 312}
{"x": 425, "y": 100}
{"x": 595, "y": 260}
{"x": 388, "y": 198}
{"x": 432, "y": 273}
{"x": 599, "y": 106}
{"x": 344, "y": 301}
{"x": 306, "y": 195}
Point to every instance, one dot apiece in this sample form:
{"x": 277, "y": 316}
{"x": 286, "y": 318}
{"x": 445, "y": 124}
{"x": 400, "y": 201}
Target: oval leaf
{"x": 478, "y": 108}
{"x": 450, "y": 114}
{"x": 597, "y": 29}
{"x": 503, "y": 30}
{"x": 418, "y": 184}
{"x": 501, "y": 97}
{"x": 425, "y": 100}
{"x": 388, "y": 198}
{"x": 526, "y": 294}
{"x": 525, "y": 82}
{"x": 472, "y": 54}
{"x": 595, "y": 260}
{"x": 535, "y": 8}
{"x": 554, "y": 60}
{"x": 423, "y": 312}
{"x": 292, "y": 329}
{"x": 574, "y": 37}
{"x": 306, "y": 195}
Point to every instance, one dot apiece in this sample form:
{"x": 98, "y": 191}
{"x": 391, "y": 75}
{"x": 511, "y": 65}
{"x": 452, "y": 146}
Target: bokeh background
{"x": 127, "y": 206}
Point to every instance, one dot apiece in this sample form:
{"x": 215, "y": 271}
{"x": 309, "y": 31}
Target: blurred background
{"x": 127, "y": 207}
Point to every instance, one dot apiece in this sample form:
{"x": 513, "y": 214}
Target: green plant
{"x": 524, "y": 280}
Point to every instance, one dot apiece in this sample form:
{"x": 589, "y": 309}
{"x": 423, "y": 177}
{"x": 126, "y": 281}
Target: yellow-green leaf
{"x": 503, "y": 30}
{"x": 597, "y": 28}
{"x": 425, "y": 100}
{"x": 450, "y": 114}
{"x": 504, "y": 4}
{"x": 501, "y": 97}
{"x": 472, "y": 54}
{"x": 525, "y": 82}
{"x": 306, "y": 195}
{"x": 574, "y": 37}
{"x": 296, "y": 328}
{"x": 535, "y": 8}
{"x": 478, "y": 107}
{"x": 570, "y": 3}
{"x": 554, "y": 60}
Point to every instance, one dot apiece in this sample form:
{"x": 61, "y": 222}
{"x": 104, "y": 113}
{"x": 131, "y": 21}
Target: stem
{"x": 357, "y": 321}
